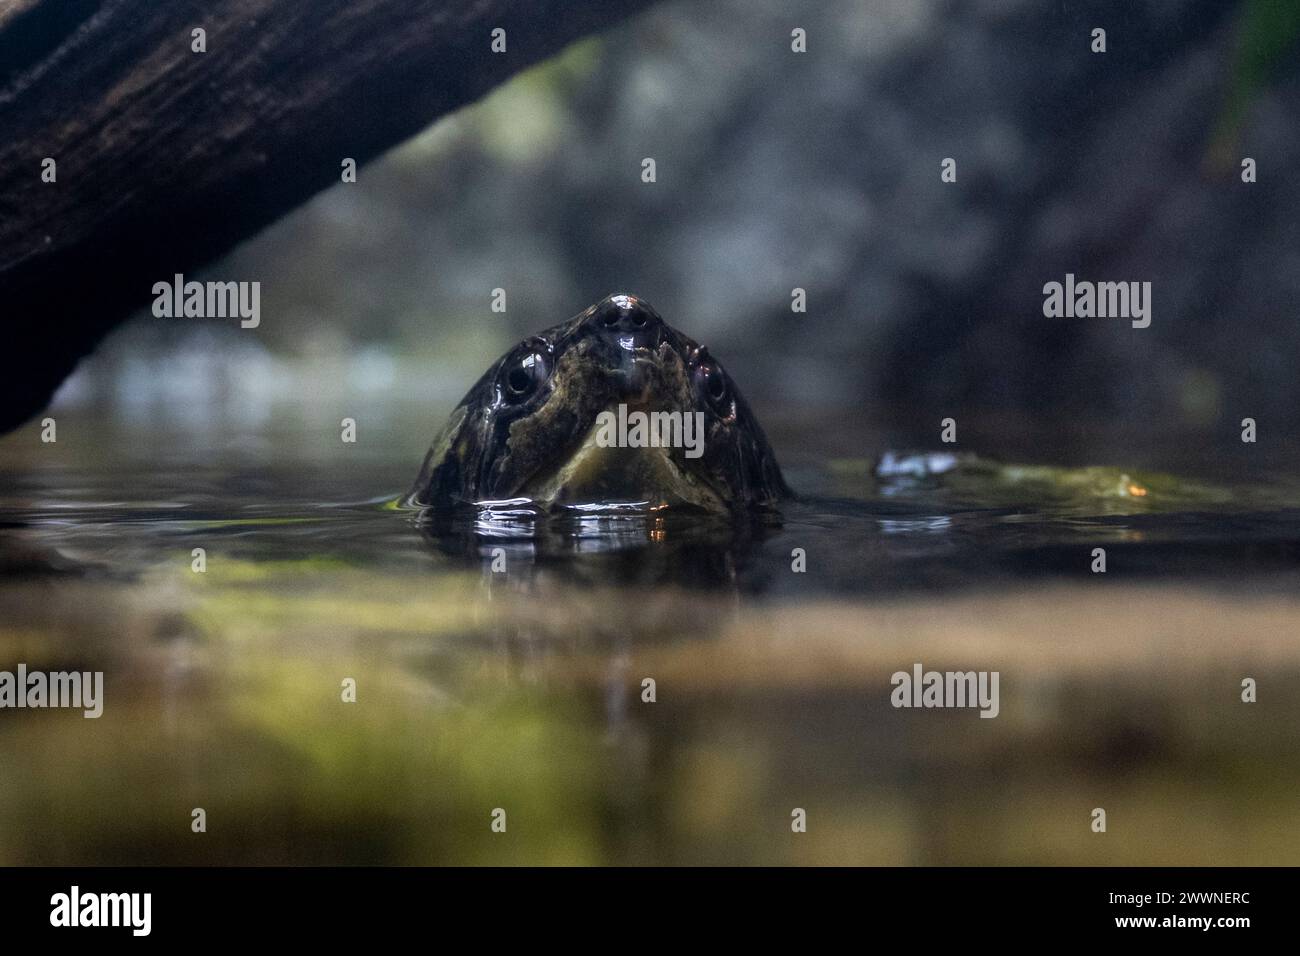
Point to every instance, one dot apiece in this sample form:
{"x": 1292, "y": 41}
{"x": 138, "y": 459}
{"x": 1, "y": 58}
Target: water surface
{"x": 522, "y": 689}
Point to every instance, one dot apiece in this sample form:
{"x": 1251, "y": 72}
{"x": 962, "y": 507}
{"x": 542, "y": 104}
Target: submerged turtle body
{"x": 612, "y": 408}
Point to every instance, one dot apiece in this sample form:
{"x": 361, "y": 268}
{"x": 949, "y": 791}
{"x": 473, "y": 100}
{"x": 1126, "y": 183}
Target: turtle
{"x": 612, "y": 409}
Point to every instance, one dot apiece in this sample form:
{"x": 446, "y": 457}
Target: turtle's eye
{"x": 526, "y": 375}
{"x": 712, "y": 385}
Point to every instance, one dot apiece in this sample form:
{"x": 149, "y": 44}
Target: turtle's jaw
{"x": 646, "y": 477}
{"x": 634, "y": 379}
{"x": 638, "y": 376}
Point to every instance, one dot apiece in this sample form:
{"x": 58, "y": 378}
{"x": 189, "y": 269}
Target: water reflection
{"x": 622, "y": 546}
{"x": 525, "y": 685}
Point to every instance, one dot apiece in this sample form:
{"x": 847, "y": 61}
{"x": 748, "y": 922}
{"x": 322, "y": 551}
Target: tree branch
{"x": 167, "y": 157}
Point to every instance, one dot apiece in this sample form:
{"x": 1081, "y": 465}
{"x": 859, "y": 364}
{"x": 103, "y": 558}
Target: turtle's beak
{"x": 636, "y": 376}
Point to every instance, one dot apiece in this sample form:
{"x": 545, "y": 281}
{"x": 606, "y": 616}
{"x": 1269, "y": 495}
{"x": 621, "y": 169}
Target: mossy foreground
{"x": 225, "y": 691}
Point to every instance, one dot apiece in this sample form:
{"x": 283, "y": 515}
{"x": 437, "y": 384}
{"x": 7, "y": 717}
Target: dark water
{"x": 521, "y": 688}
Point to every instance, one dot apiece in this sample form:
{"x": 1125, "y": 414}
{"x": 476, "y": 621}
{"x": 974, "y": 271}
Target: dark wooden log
{"x": 167, "y": 157}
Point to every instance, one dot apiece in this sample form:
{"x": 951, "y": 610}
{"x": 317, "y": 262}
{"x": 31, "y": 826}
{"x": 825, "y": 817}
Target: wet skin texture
{"x": 526, "y": 429}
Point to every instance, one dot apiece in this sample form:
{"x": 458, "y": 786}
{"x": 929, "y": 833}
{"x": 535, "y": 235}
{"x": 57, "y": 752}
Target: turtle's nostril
{"x": 625, "y": 313}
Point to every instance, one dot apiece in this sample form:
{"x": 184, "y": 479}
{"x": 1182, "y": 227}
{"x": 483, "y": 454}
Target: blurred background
{"x": 821, "y": 171}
